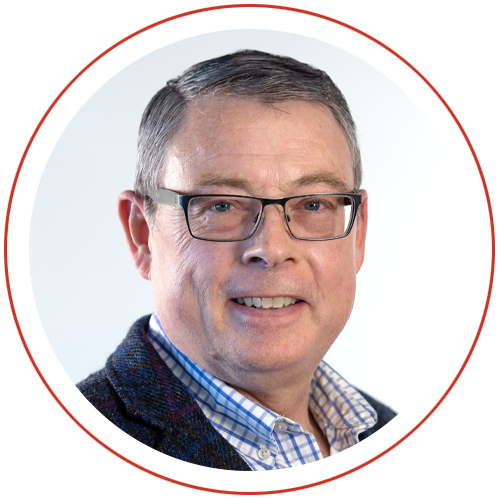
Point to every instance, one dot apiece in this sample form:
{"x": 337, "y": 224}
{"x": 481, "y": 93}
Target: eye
{"x": 312, "y": 205}
{"x": 221, "y": 206}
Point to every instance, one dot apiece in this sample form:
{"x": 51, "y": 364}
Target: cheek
{"x": 186, "y": 270}
{"x": 171, "y": 271}
{"x": 211, "y": 265}
{"x": 335, "y": 271}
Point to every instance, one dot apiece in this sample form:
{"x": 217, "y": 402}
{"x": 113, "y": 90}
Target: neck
{"x": 292, "y": 405}
{"x": 288, "y": 401}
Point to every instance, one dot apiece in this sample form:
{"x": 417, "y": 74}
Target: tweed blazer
{"x": 139, "y": 393}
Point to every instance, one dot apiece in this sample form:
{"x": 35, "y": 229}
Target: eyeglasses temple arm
{"x": 165, "y": 197}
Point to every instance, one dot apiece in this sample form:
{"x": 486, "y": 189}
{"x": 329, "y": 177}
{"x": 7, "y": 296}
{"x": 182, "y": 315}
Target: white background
{"x": 454, "y": 47}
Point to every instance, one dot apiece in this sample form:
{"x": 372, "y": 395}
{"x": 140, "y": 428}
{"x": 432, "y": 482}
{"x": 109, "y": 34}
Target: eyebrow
{"x": 221, "y": 180}
{"x": 328, "y": 178}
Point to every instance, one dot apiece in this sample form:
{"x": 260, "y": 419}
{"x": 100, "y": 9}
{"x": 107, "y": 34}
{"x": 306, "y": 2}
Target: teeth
{"x": 278, "y": 302}
{"x": 267, "y": 302}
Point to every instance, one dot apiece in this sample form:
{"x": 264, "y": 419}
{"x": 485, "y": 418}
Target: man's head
{"x": 248, "y": 124}
{"x": 247, "y": 74}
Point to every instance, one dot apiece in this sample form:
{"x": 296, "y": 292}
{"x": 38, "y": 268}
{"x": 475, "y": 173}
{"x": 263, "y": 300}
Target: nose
{"x": 272, "y": 243}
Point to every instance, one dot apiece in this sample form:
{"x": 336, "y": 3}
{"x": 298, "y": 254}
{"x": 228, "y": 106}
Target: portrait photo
{"x": 242, "y": 258}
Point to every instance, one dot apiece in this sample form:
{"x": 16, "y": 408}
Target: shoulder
{"x": 97, "y": 387}
{"x": 108, "y": 388}
{"x": 99, "y": 391}
{"x": 138, "y": 393}
{"x": 384, "y": 415}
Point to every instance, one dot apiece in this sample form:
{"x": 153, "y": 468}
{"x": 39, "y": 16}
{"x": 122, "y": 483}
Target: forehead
{"x": 256, "y": 147}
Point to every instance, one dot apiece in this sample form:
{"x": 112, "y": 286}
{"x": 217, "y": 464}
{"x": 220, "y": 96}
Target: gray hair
{"x": 250, "y": 74}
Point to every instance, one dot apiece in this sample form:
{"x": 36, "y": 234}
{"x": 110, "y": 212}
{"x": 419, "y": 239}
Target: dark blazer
{"x": 139, "y": 393}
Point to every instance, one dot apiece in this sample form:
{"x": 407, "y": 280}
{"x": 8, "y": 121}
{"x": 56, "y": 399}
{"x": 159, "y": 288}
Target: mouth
{"x": 271, "y": 303}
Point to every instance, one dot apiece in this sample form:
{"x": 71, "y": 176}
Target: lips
{"x": 277, "y": 302}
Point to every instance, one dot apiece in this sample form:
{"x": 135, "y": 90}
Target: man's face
{"x": 242, "y": 147}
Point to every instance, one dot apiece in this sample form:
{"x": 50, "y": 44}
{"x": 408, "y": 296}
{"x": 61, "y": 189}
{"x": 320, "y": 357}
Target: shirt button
{"x": 281, "y": 426}
{"x": 264, "y": 453}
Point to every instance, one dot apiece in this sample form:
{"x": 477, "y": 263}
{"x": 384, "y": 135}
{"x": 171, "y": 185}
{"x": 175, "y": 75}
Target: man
{"x": 248, "y": 220}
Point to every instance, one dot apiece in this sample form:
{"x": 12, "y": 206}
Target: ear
{"x": 135, "y": 225}
{"x": 361, "y": 227}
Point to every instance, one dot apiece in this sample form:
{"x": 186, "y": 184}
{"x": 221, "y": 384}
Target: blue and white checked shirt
{"x": 264, "y": 439}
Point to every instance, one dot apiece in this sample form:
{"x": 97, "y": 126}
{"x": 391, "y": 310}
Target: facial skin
{"x": 241, "y": 147}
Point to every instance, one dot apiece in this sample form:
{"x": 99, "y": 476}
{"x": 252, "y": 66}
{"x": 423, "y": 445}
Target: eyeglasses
{"x": 221, "y": 217}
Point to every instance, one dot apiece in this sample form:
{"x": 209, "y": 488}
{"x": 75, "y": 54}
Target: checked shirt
{"x": 264, "y": 439}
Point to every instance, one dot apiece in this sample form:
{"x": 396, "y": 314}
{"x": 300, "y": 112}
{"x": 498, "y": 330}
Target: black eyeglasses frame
{"x": 164, "y": 196}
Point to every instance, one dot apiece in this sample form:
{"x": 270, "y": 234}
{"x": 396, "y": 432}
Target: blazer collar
{"x": 144, "y": 383}
{"x": 153, "y": 394}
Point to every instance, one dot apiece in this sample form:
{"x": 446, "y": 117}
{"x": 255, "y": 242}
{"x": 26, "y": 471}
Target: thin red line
{"x": 300, "y": 11}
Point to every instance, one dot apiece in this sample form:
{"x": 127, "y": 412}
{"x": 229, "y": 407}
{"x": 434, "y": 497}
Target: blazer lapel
{"x": 151, "y": 393}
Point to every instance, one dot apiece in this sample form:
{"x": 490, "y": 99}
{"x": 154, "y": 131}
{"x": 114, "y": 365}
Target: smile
{"x": 266, "y": 302}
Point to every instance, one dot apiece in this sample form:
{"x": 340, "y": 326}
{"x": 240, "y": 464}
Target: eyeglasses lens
{"x": 225, "y": 218}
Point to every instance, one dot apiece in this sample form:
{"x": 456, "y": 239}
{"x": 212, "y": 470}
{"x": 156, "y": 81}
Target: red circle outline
{"x": 300, "y": 11}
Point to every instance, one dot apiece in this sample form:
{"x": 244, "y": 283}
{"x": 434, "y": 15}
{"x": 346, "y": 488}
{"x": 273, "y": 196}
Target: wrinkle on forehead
{"x": 218, "y": 138}
{"x": 305, "y": 180}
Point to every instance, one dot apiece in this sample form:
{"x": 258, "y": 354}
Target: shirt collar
{"x": 337, "y": 406}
